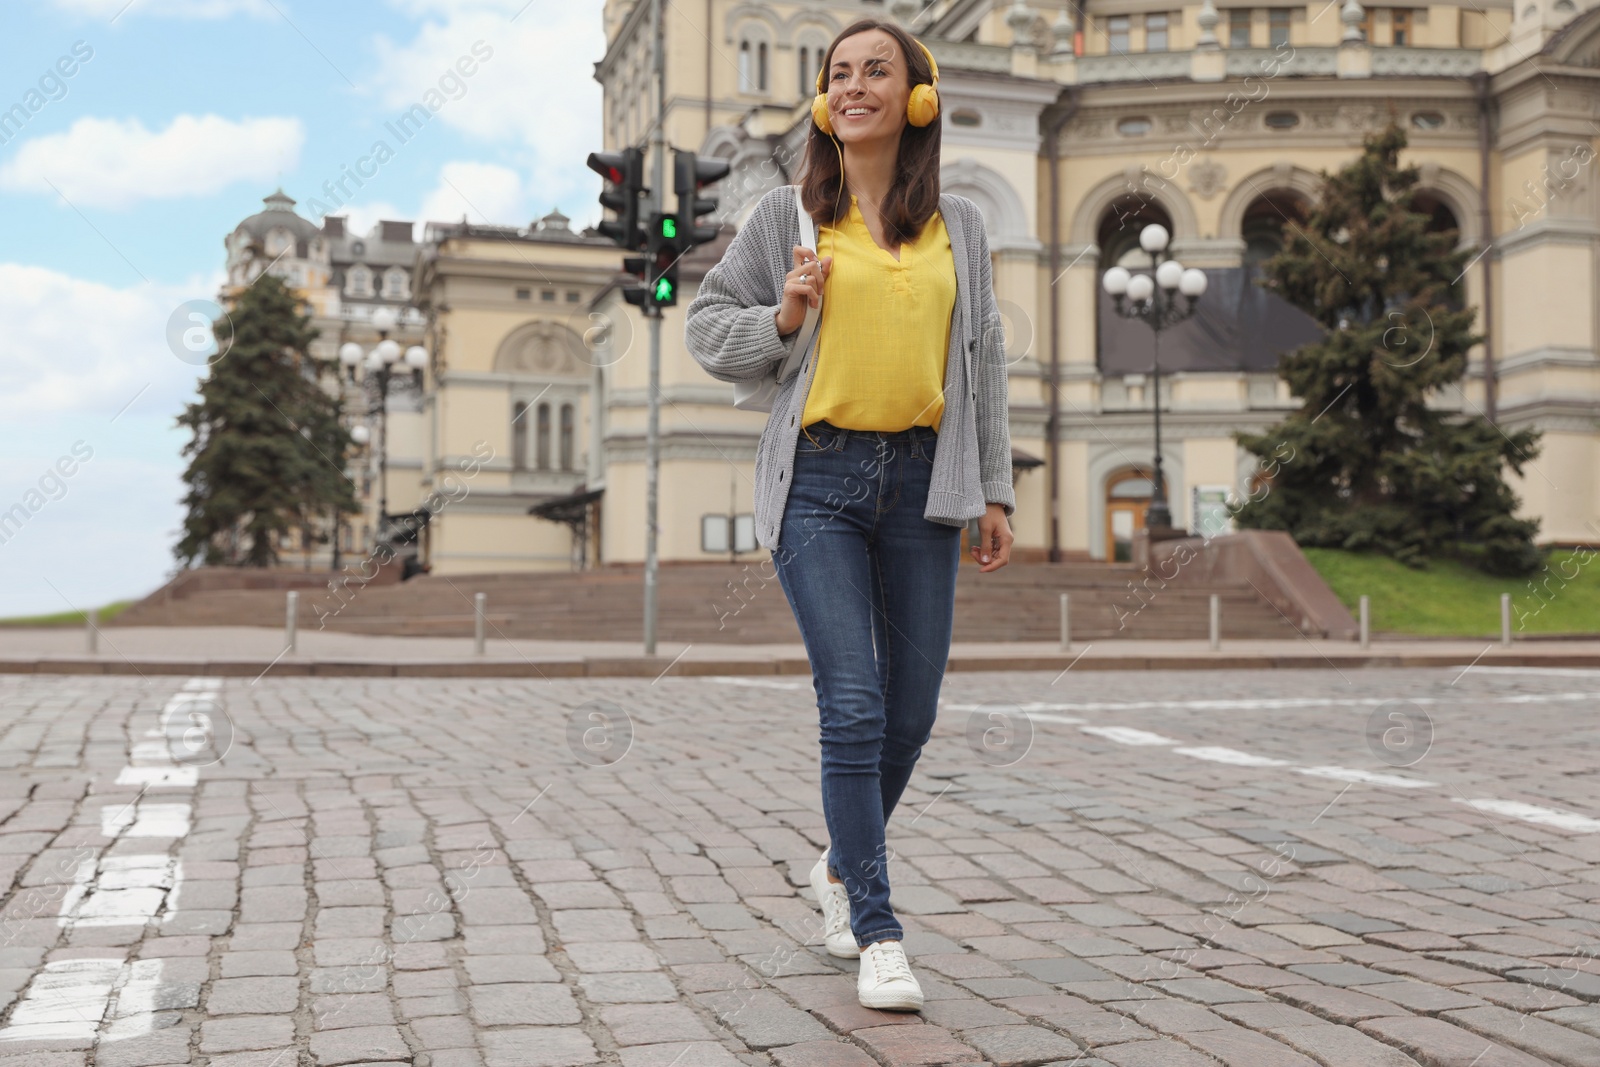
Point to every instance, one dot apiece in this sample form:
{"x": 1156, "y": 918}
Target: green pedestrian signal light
{"x": 661, "y": 280}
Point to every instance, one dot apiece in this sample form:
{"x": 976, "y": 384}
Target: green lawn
{"x": 68, "y": 618}
{"x": 1452, "y": 599}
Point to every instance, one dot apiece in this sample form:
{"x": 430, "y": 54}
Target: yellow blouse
{"x": 885, "y": 331}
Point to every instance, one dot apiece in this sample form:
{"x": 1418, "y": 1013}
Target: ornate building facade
{"x": 1071, "y": 126}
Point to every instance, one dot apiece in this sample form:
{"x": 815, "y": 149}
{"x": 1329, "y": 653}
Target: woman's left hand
{"x": 993, "y": 549}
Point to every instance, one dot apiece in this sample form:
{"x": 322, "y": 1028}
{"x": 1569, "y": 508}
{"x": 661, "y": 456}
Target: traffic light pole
{"x": 652, "y": 446}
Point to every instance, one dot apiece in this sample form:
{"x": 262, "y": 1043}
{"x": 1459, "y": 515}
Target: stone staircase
{"x": 718, "y": 603}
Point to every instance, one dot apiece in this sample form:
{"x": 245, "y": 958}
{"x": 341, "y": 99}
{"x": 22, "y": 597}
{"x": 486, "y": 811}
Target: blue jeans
{"x": 872, "y": 584}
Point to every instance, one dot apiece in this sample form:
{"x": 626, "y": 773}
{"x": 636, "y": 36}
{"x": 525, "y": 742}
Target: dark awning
{"x": 569, "y": 508}
{"x": 404, "y": 526}
{"x": 1022, "y": 461}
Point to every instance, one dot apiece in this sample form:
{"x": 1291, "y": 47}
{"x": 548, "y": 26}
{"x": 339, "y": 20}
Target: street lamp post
{"x": 1153, "y": 301}
{"x": 379, "y": 364}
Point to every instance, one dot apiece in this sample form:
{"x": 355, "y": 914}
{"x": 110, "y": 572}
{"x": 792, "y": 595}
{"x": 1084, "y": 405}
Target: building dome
{"x": 279, "y": 213}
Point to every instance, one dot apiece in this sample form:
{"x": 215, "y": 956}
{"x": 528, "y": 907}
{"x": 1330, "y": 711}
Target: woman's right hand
{"x": 802, "y": 288}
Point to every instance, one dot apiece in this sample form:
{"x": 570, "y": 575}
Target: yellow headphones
{"x": 921, "y": 109}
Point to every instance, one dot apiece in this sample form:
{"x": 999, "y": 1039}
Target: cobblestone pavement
{"x": 1166, "y": 869}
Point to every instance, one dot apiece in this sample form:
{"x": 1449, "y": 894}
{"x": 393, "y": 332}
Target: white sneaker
{"x": 835, "y": 902}
{"x": 885, "y": 980}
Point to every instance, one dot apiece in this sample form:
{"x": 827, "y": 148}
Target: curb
{"x": 657, "y": 666}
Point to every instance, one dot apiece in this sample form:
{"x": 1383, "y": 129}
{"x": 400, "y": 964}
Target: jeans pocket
{"x": 814, "y": 439}
{"x": 924, "y": 450}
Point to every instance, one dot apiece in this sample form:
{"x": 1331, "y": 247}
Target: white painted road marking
{"x": 1565, "y": 820}
{"x": 68, "y": 999}
{"x": 1127, "y": 735}
{"x": 758, "y": 682}
{"x": 1346, "y": 774}
{"x": 1231, "y": 755}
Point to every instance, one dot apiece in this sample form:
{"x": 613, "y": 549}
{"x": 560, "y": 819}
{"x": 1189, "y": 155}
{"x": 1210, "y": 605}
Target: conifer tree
{"x": 1365, "y": 463}
{"x": 267, "y": 455}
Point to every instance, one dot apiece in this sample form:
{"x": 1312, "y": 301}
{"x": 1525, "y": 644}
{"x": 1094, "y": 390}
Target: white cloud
{"x": 361, "y": 218}
{"x": 486, "y": 193}
{"x": 91, "y": 362}
{"x": 198, "y": 9}
{"x": 537, "y": 88}
{"x": 114, "y": 163}
{"x": 75, "y": 347}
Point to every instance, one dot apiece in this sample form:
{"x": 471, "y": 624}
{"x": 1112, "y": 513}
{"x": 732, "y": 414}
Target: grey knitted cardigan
{"x": 730, "y": 331}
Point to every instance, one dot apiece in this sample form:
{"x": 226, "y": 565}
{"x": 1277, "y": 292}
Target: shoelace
{"x": 889, "y": 965}
{"x": 838, "y": 915}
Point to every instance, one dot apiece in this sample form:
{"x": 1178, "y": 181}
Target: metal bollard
{"x": 290, "y": 617}
{"x": 1505, "y": 620}
{"x": 1216, "y": 622}
{"x": 479, "y": 603}
{"x": 1066, "y": 624}
{"x": 1366, "y": 622}
{"x": 92, "y": 618}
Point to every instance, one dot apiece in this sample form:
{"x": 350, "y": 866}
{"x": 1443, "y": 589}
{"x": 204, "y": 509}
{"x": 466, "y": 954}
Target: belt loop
{"x": 841, "y": 439}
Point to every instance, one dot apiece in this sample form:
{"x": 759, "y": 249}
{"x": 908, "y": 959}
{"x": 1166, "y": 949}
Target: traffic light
{"x": 624, "y": 171}
{"x": 637, "y": 294}
{"x": 661, "y": 255}
{"x": 690, "y": 174}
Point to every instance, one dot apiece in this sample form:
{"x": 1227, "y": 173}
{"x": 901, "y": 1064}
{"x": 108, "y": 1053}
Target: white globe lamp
{"x": 1153, "y": 238}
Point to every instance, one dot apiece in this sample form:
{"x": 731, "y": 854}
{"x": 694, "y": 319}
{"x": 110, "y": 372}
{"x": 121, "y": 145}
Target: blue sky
{"x": 177, "y": 117}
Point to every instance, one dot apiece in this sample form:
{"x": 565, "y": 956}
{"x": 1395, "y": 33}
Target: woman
{"x": 890, "y": 438}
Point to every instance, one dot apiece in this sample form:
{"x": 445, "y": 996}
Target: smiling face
{"x": 868, "y": 86}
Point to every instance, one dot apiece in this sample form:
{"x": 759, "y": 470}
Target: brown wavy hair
{"x": 914, "y": 192}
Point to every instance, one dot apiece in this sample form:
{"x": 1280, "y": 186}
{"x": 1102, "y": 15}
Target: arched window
{"x": 1121, "y": 347}
{"x": 811, "y": 55}
{"x": 1118, "y": 236}
{"x": 1265, "y": 222}
{"x": 542, "y": 441}
{"x": 566, "y": 437}
{"x": 754, "y": 52}
{"x": 519, "y": 436}
{"x": 394, "y": 283}
{"x": 358, "y": 282}
{"x": 1441, "y": 219}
